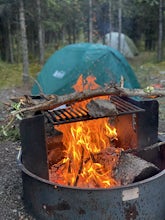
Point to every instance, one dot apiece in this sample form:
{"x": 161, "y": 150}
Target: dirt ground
{"x": 11, "y": 205}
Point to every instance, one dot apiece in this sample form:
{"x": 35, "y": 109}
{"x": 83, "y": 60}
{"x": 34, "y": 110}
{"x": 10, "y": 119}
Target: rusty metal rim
{"x": 23, "y": 168}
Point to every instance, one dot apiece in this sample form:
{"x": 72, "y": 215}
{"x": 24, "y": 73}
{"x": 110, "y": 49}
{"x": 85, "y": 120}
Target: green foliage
{"x": 8, "y": 128}
{"x": 12, "y": 134}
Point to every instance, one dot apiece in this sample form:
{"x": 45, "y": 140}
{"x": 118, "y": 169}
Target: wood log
{"x": 131, "y": 168}
{"x": 56, "y": 155}
{"x": 101, "y": 108}
{"x": 55, "y": 148}
{"x": 107, "y": 157}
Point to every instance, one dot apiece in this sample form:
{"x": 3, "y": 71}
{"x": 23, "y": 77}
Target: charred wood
{"x": 101, "y": 108}
{"x": 131, "y": 168}
{"x": 55, "y": 148}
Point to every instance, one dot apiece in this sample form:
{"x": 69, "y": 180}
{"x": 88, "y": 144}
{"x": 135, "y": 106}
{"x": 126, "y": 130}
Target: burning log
{"x": 55, "y": 155}
{"x": 101, "y": 108}
{"x": 131, "y": 168}
{"x": 108, "y": 157}
{"x": 54, "y": 140}
{"x": 80, "y": 168}
{"x": 123, "y": 168}
{"x": 55, "y": 148}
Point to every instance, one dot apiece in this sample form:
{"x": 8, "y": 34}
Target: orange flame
{"x": 85, "y": 141}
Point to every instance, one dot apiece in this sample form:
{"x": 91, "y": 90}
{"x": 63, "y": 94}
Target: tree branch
{"x": 54, "y": 101}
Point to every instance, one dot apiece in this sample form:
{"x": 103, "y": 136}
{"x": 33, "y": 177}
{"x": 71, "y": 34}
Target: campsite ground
{"x": 11, "y": 205}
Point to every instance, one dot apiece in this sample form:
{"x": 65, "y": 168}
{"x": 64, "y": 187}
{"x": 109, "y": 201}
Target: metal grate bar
{"x": 58, "y": 114}
{"x": 125, "y": 107}
{"x": 64, "y": 113}
{"x": 80, "y": 112}
{"x": 62, "y": 116}
{"x": 69, "y": 113}
{"x": 84, "y": 110}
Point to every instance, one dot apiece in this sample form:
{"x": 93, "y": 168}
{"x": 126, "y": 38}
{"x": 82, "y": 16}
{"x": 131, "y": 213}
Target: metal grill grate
{"x": 125, "y": 107}
{"x": 68, "y": 115}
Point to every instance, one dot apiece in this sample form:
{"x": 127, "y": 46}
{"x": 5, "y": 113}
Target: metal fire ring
{"x": 48, "y": 201}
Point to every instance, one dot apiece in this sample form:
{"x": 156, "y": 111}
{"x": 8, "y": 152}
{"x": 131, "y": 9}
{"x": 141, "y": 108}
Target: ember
{"x": 90, "y": 153}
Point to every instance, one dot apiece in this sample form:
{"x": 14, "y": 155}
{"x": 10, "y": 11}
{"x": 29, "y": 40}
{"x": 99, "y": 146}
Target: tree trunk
{"x": 90, "y": 22}
{"x": 73, "y": 25}
{"x": 110, "y": 22}
{"x": 11, "y": 56}
{"x": 40, "y": 33}
{"x": 160, "y": 37}
{"x": 63, "y": 35}
{"x": 25, "y": 75}
{"x": 120, "y": 24}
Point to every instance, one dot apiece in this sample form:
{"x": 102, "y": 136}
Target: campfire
{"x": 81, "y": 151}
{"x": 88, "y": 153}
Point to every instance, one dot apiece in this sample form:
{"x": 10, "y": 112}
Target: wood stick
{"x": 80, "y": 168}
{"x": 55, "y": 101}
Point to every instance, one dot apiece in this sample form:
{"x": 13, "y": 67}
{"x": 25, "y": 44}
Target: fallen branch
{"x": 54, "y": 101}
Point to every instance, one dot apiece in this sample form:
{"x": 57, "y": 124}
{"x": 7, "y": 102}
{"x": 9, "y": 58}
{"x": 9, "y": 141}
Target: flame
{"x": 85, "y": 84}
{"x": 90, "y": 155}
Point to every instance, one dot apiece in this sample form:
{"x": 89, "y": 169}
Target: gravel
{"x": 11, "y": 203}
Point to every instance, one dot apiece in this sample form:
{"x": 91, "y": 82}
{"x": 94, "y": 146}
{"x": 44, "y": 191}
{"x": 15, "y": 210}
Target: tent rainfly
{"x": 64, "y": 67}
{"x": 128, "y": 48}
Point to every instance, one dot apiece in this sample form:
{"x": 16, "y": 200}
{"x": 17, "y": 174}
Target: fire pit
{"x": 69, "y": 174}
{"x": 48, "y": 200}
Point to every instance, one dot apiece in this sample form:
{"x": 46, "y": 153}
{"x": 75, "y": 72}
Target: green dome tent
{"x": 64, "y": 67}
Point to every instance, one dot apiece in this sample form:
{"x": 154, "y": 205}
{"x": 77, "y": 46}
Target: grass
{"x": 147, "y": 70}
{"x": 11, "y": 74}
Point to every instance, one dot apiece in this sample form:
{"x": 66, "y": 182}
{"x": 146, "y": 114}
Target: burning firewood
{"x": 131, "y": 168}
{"x": 80, "y": 167}
{"x": 55, "y": 155}
{"x": 55, "y": 148}
{"x": 101, "y": 108}
{"x": 108, "y": 157}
